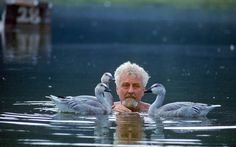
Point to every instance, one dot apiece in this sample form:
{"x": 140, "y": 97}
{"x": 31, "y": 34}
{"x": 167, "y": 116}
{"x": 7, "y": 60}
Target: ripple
{"x": 45, "y": 143}
{"x": 24, "y": 116}
{"x": 102, "y": 130}
{"x": 173, "y": 141}
{"x": 201, "y": 128}
{"x": 62, "y": 134}
{"x": 38, "y": 103}
{"x": 25, "y": 123}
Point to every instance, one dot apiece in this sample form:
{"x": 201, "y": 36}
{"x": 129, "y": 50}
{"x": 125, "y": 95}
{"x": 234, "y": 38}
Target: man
{"x": 131, "y": 80}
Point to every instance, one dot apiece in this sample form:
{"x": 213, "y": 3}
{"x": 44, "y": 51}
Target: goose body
{"x": 91, "y": 106}
{"x": 175, "y": 109}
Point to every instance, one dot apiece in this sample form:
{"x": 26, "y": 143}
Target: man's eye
{"x": 136, "y": 86}
{"x": 125, "y": 85}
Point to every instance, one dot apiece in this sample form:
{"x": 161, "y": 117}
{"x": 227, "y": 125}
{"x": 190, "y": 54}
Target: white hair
{"x": 131, "y": 69}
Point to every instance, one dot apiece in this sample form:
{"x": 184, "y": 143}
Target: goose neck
{"x": 159, "y": 101}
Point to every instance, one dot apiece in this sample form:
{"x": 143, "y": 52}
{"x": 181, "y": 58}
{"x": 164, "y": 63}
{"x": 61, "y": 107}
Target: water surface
{"x": 190, "y": 50}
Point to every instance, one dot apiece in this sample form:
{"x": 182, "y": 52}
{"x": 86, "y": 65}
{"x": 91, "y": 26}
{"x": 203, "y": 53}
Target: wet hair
{"x": 133, "y": 70}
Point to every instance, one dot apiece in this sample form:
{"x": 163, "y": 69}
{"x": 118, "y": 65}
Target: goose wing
{"x": 185, "y": 109}
{"x": 85, "y": 97}
{"x": 88, "y": 109}
{"x": 85, "y": 106}
{"x": 80, "y": 105}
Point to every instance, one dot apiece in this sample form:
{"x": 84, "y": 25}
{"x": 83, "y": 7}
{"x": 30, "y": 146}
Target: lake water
{"x": 190, "y": 50}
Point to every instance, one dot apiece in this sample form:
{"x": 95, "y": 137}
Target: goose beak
{"x": 112, "y": 79}
{"x": 148, "y": 90}
{"x": 107, "y": 90}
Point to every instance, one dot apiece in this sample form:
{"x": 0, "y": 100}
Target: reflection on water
{"x": 25, "y": 46}
{"x": 129, "y": 129}
{"x": 94, "y": 128}
{"x": 173, "y": 124}
{"x": 26, "y": 32}
{"x": 48, "y": 127}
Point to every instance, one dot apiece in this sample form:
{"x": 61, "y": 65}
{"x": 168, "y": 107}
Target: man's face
{"x": 130, "y": 86}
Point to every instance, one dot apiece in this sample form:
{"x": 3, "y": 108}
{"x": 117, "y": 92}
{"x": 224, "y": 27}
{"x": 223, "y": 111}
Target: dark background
{"x": 190, "y": 48}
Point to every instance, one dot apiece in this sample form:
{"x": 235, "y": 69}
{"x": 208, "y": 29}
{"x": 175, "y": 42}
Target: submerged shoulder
{"x": 144, "y": 106}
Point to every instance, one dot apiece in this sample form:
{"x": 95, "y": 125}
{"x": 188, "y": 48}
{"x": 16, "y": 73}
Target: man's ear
{"x": 144, "y": 88}
{"x": 117, "y": 89}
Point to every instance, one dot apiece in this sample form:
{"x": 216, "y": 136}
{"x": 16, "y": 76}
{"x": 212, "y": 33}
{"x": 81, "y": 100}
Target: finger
{"x": 124, "y": 109}
{"x": 121, "y": 108}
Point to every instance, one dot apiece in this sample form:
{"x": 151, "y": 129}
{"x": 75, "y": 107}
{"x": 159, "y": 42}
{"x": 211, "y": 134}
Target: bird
{"x": 84, "y": 106}
{"x": 106, "y": 79}
{"x": 175, "y": 109}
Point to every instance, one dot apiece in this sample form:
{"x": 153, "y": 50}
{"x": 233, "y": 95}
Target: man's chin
{"x": 130, "y": 103}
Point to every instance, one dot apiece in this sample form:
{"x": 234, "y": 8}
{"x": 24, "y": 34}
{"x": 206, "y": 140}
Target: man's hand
{"x": 120, "y": 108}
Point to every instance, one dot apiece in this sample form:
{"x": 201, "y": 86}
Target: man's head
{"x": 131, "y": 80}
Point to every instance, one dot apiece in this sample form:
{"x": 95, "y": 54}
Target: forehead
{"x": 131, "y": 78}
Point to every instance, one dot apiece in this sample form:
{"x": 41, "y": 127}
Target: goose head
{"x": 107, "y": 78}
{"x": 156, "y": 88}
{"x": 101, "y": 88}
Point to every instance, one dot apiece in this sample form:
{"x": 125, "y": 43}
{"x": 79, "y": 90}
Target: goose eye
{"x": 108, "y": 74}
{"x": 103, "y": 85}
{"x": 154, "y": 86}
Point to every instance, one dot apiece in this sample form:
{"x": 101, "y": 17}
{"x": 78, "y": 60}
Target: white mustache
{"x": 130, "y": 95}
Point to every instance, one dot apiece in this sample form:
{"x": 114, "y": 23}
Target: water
{"x": 190, "y": 50}
{"x": 44, "y": 126}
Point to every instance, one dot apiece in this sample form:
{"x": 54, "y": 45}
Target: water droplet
{"x": 94, "y": 24}
{"x": 107, "y": 3}
{"x": 154, "y": 32}
{"x": 232, "y": 48}
{"x": 222, "y": 67}
{"x": 164, "y": 39}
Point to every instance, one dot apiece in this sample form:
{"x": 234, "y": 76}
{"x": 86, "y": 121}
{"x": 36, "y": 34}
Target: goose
{"x": 84, "y": 106}
{"x": 175, "y": 109}
{"x": 106, "y": 79}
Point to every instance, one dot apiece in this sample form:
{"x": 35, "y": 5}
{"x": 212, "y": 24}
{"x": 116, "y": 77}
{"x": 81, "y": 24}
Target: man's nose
{"x": 131, "y": 89}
